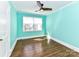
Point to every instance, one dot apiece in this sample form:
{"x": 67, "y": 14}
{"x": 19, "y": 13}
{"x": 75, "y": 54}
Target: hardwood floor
{"x": 39, "y": 47}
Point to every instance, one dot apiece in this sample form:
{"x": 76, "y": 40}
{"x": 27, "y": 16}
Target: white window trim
{"x": 32, "y": 25}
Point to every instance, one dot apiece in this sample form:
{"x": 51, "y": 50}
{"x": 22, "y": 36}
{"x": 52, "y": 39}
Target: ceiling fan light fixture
{"x": 42, "y": 8}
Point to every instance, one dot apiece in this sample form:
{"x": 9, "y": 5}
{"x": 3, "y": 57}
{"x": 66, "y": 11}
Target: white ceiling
{"x": 31, "y": 6}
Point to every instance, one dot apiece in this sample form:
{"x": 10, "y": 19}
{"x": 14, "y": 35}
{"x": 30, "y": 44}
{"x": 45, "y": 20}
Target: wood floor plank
{"x": 39, "y": 47}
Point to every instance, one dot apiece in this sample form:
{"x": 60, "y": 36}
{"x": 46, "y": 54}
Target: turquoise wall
{"x": 16, "y": 26}
{"x": 64, "y": 24}
{"x": 20, "y": 32}
{"x": 13, "y": 25}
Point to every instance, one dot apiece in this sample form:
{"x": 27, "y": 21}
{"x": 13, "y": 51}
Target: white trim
{"x": 62, "y": 7}
{"x": 30, "y": 37}
{"x": 65, "y": 44}
{"x": 12, "y": 48}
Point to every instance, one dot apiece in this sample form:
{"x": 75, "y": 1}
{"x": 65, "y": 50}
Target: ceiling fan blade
{"x": 42, "y": 8}
{"x": 39, "y": 4}
{"x": 46, "y": 8}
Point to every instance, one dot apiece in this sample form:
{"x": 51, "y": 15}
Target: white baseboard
{"x": 12, "y": 48}
{"x": 64, "y": 43}
{"x": 30, "y": 37}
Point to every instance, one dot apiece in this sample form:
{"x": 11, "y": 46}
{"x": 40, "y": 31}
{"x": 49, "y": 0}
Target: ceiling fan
{"x": 42, "y": 8}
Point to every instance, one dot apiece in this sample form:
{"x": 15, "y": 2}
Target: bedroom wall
{"x": 64, "y": 24}
{"x": 20, "y": 32}
{"x": 13, "y": 25}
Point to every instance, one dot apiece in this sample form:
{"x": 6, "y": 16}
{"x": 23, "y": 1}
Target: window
{"x": 32, "y": 24}
{"x": 27, "y": 24}
{"x": 37, "y": 24}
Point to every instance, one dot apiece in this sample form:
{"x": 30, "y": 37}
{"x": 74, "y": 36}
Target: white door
{"x": 4, "y": 28}
{"x": 1, "y": 48}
